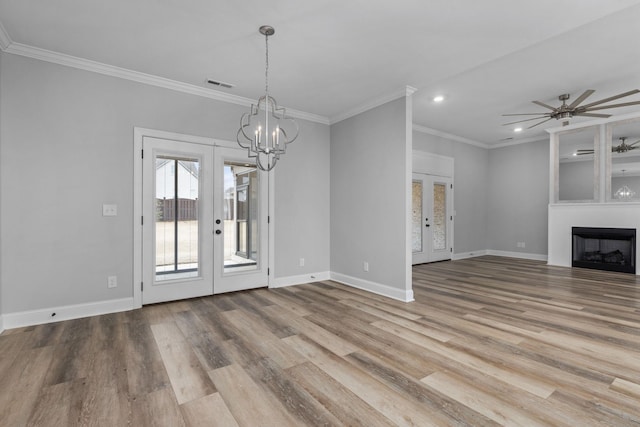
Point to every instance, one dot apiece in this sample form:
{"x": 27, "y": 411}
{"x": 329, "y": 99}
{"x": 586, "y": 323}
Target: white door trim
{"x": 138, "y": 135}
{"x": 439, "y": 166}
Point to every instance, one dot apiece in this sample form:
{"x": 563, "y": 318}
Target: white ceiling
{"x": 330, "y": 57}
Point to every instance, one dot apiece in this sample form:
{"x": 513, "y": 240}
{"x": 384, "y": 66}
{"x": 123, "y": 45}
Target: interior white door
{"x": 432, "y": 218}
{"x": 177, "y": 243}
{"x": 204, "y": 221}
{"x": 241, "y": 222}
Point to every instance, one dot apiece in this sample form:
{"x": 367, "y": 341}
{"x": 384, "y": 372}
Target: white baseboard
{"x": 280, "y": 282}
{"x": 523, "y": 255}
{"x": 472, "y": 254}
{"x": 67, "y": 312}
{"x": 376, "y": 288}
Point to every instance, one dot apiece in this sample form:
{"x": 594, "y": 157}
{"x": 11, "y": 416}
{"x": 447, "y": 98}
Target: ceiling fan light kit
{"x": 567, "y": 111}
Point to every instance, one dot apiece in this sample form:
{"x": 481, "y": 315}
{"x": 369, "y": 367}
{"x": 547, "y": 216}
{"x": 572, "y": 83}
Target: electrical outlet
{"x": 112, "y": 282}
{"x": 520, "y": 244}
{"x": 109, "y": 210}
{"x": 365, "y": 266}
{"x": 301, "y": 262}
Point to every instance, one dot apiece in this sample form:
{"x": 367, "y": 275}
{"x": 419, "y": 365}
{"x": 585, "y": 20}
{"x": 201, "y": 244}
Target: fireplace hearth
{"x": 609, "y": 249}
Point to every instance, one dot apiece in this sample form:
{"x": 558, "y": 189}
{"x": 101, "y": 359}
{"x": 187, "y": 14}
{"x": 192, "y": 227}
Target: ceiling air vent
{"x": 219, "y": 83}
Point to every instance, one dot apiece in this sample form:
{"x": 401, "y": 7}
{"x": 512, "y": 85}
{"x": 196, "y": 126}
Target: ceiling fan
{"x": 622, "y": 148}
{"x": 565, "y": 111}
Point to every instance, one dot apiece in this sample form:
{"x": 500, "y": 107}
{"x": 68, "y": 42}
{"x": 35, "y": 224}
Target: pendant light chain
{"x": 266, "y": 68}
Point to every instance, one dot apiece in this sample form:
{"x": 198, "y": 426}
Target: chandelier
{"x": 624, "y": 192}
{"x": 265, "y": 130}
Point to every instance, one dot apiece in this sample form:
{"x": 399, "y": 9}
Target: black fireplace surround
{"x": 610, "y": 249}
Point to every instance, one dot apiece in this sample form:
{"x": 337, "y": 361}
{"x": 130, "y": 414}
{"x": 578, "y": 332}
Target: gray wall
{"x": 519, "y": 197}
{"x": 369, "y": 191}
{"x": 470, "y": 188}
{"x": 302, "y": 212}
{"x": 67, "y": 148}
{"x": 500, "y": 195}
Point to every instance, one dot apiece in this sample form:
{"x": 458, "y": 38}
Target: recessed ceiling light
{"x": 517, "y": 130}
{"x": 438, "y": 98}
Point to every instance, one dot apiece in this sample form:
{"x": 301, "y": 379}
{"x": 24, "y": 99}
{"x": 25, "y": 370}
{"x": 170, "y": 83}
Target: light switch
{"x": 109, "y": 210}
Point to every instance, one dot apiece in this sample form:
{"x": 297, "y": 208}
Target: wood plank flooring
{"x": 488, "y": 341}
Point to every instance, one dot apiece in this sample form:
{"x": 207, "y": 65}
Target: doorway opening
{"x": 432, "y": 218}
{"x": 200, "y": 218}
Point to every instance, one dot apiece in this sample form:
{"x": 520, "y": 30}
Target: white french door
{"x": 204, "y": 220}
{"x": 240, "y": 212}
{"x": 432, "y": 218}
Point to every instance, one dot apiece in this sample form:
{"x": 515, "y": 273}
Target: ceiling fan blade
{"x": 520, "y": 121}
{"x": 586, "y": 149}
{"x": 624, "y": 104}
{"x": 582, "y": 154}
{"x": 544, "y": 121}
{"x": 526, "y": 114}
{"x": 634, "y": 143}
{"x": 592, "y": 115}
{"x": 542, "y": 104}
{"x": 587, "y": 93}
{"x": 612, "y": 98}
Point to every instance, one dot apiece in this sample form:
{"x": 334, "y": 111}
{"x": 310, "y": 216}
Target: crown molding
{"x": 434, "y": 132}
{"x": 148, "y": 79}
{"x": 5, "y": 40}
{"x": 400, "y": 93}
{"x": 519, "y": 141}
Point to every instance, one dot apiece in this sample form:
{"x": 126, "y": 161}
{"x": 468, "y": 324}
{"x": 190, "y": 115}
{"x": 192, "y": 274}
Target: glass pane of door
{"x": 416, "y": 216}
{"x": 439, "y": 226}
{"x": 176, "y": 222}
{"x": 241, "y": 236}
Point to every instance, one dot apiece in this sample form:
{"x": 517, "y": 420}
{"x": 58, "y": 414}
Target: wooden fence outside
{"x": 187, "y": 209}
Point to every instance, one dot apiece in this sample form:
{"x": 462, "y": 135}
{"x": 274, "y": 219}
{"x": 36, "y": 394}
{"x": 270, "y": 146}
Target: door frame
{"x": 440, "y": 166}
{"x": 139, "y": 134}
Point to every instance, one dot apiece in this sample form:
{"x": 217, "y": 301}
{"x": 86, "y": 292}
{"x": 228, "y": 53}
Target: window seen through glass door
{"x": 241, "y": 238}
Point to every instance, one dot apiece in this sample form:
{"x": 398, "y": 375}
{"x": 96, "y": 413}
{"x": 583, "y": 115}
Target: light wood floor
{"x": 488, "y": 341}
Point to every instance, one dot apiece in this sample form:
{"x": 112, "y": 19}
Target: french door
{"x": 432, "y": 218}
{"x": 203, "y": 220}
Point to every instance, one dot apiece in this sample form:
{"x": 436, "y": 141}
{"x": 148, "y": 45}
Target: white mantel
{"x": 564, "y": 216}
{"x": 603, "y": 211}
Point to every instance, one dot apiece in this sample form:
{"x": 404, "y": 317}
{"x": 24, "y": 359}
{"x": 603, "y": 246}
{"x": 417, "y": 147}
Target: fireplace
{"x": 611, "y": 249}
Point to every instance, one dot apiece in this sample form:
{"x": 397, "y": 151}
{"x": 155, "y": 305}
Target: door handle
{"x": 218, "y": 231}
{"x": 427, "y": 225}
